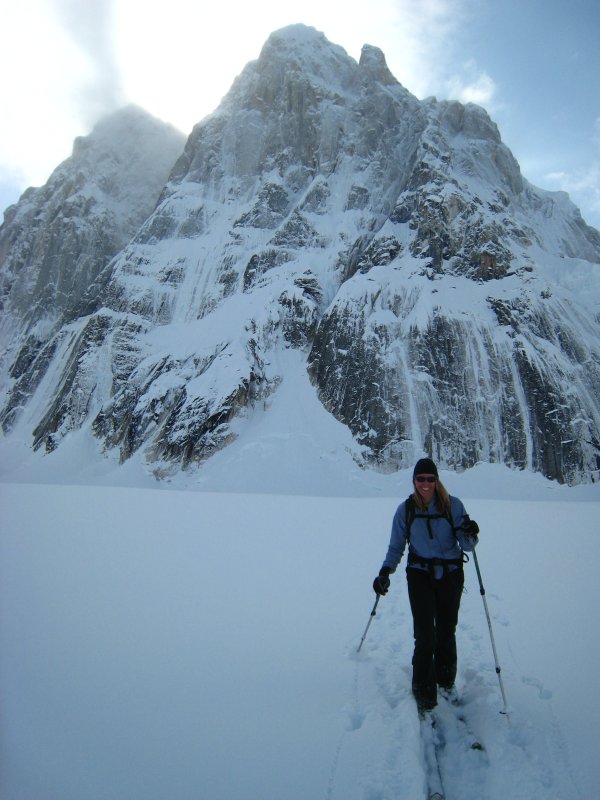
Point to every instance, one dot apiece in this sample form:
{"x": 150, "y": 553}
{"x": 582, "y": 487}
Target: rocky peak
{"x": 300, "y": 48}
{"x": 372, "y": 60}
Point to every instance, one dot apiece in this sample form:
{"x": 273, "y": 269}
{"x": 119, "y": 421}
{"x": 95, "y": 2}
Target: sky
{"x": 534, "y": 66}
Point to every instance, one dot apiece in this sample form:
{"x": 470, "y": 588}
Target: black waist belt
{"x": 430, "y": 563}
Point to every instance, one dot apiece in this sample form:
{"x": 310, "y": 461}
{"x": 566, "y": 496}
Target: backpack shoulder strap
{"x": 409, "y": 508}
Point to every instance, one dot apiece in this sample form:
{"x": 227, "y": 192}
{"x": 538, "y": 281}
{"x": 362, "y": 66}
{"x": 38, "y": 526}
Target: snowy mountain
{"x": 438, "y": 302}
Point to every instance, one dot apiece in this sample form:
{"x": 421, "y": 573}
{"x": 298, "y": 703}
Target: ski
{"x": 453, "y": 702}
{"x": 430, "y": 739}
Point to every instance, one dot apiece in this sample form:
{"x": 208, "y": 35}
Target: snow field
{"x": 201, "y": 645}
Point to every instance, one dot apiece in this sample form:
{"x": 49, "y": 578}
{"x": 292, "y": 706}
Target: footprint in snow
{"x": 356, "y": 717}
{"x": 544, "y": 694}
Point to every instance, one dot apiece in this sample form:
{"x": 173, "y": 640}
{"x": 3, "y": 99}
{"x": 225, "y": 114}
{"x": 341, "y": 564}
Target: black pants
{"x": 434, "y": 605}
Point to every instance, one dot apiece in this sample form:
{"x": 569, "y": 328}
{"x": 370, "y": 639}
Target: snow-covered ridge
{"x": 430, "y": 291}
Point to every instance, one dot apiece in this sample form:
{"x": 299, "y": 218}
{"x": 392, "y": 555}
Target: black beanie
{"x": 425, "y": 466}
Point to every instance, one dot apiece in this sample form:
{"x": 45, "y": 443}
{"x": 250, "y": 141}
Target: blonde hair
{"x": 442, "y": 498}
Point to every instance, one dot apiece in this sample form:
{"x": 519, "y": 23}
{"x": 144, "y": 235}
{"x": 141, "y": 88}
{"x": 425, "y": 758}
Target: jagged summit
{"x": 392, "y": 244}
{"x": 373, "y": 60}
{"x": 135, "y": 150}
{"x": 305, "y": 47}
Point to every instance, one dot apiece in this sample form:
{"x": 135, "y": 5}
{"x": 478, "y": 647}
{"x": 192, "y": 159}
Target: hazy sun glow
{"x": 179, "y": 67}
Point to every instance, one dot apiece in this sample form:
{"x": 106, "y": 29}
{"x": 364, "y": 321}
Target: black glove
{"x": 470, "y": 527}
{"x": 381, "y": 584}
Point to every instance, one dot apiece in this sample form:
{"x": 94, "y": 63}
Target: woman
{"x": 437, "y": 529}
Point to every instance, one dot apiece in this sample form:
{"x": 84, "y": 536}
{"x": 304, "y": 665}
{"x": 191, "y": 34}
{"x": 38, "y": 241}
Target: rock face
{"x": 57, "y": 242}
{"x": 323, "y": 208}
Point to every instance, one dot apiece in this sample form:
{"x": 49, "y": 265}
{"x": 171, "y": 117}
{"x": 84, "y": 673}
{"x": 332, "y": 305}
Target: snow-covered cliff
{"x": 436, "y": 296}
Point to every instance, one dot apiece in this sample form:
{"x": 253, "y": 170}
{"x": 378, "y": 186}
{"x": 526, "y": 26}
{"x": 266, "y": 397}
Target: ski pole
{"x": 373, "y": 612}
{"x": 489, "y": 622}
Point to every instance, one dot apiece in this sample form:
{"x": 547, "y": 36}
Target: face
{"x": 425, "y": 486}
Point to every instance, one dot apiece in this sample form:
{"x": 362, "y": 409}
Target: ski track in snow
{"x": 523, "y": 758}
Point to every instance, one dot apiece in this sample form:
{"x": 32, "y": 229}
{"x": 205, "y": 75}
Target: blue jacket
{"x": 433, "y": 538}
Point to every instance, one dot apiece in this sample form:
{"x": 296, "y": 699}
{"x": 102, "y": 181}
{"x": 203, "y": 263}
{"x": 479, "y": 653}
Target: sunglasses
{"x": 424, "y": 479}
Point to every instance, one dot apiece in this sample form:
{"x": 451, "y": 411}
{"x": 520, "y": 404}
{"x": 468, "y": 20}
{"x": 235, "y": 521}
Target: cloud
{"x": 42, "y": 68}
{"x": 420, "y": 40}
{"x": 472, "y": 85}
{"x": 583, "y": 186}
{"x": 90, "y": 26}
{"x": 583, "y": 183}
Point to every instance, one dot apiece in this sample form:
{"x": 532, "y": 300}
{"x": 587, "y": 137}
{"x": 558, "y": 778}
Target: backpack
{"x": 412, "y": 514}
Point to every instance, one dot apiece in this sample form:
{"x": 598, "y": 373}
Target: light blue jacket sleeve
{"x": 459, "y": 515}
{"x": 397, "y": 539}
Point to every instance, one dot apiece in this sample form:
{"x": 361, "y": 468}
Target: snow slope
{"x": 190, "y": 645}
{"x": 289, "y": 445}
